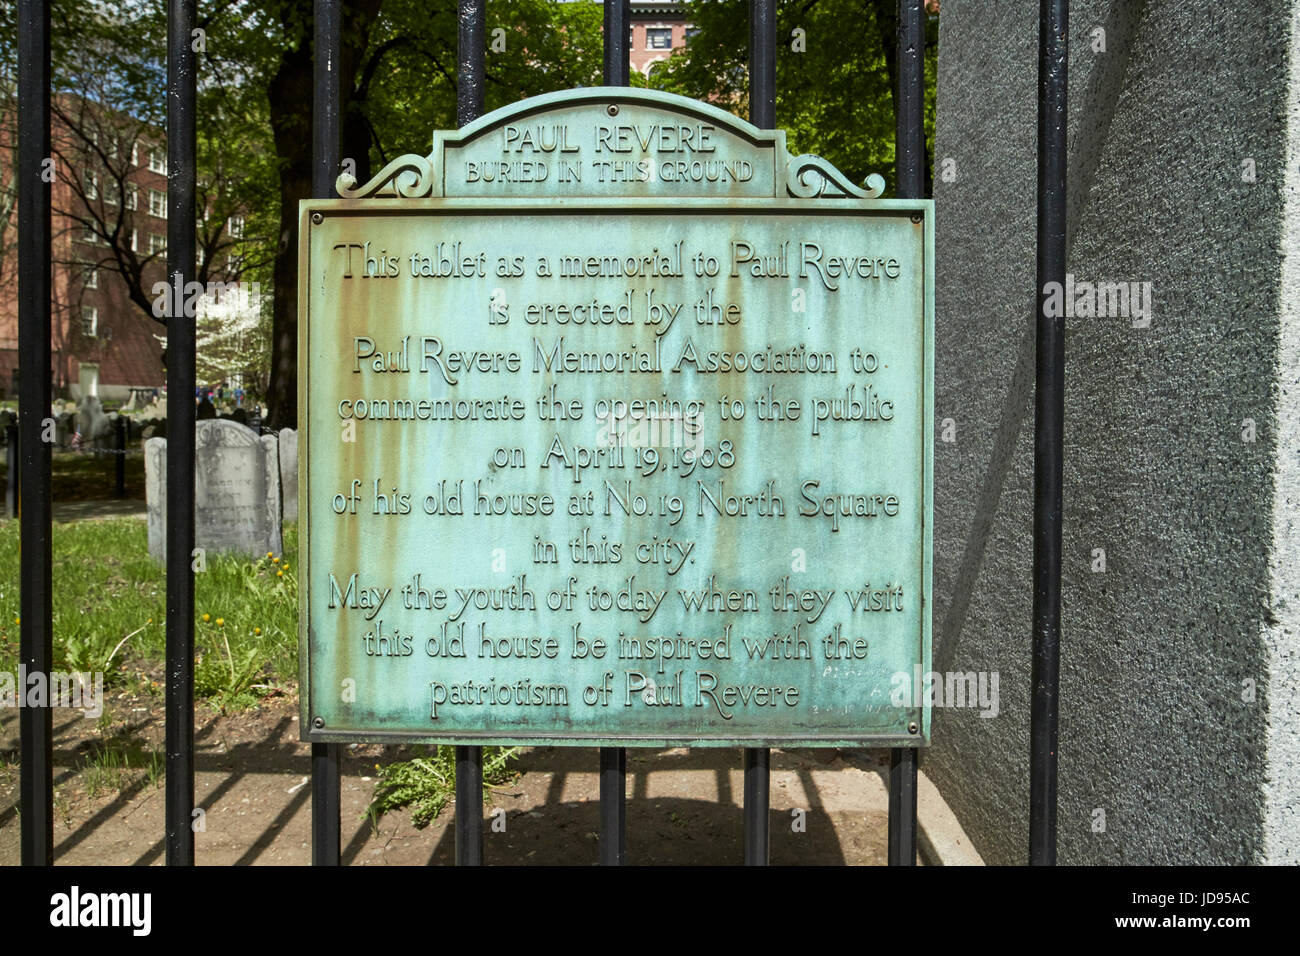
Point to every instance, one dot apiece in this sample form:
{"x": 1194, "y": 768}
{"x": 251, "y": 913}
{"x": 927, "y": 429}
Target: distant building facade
{"x": 102, "y": 342}
{"x": 657, "y": 29}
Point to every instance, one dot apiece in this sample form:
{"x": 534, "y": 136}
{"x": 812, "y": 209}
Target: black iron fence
{"x": 33, "y": 455}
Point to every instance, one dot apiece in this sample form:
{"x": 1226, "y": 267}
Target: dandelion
{"x": 257, "y": 630}
{"x": 286, "y": 567}
{"x": 268, "y": 554}
{"x": 206, "y": 618}
{"x": 279, "y": 574}
{"x": 221, "y": 622}
{"x": 16, "y": 619}
{"x": 275, "y": 560}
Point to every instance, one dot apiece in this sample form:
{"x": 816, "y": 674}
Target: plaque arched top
{"x": 615, "y": 142}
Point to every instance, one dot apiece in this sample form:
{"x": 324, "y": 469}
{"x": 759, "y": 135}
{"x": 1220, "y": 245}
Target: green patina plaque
{"x": 617, "y": 430}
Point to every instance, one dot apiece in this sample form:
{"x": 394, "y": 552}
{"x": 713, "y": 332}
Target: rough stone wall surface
{"x": 1162, "y": 761}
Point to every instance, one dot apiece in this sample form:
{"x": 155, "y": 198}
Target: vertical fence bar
{"x": 613, "y": 760}
{"x": 472, "y": 21}
{"x": 1049, "y": 426}
{"x": 762, "y": 113}
{"x": 757, "y": 780}
{"x": 762, "y": 63}
{"x": 12, "y": 478}
{"x": 618, "y": 64}
{"x": 472, "y": 27}
{"x": 469, "y": 806}
{"x": 902, "y": 806}
{"x": 180, "y": 435}
{"x": 613, "y": 806}
{"x": 909, "y": 151}
{"x": 326, "y": 759}
{"x": 119, "y": 457}
{"x": 36, "y": 790}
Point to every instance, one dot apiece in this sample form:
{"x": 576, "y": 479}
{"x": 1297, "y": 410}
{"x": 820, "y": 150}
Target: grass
{"x": 110, "y": 764}
{"x": 426, "y": 783}
{"x": 109, "y": 608}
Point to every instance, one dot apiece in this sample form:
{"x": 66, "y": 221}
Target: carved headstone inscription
{"x": 617, "y": 429}
{"x": 236, "y": 488}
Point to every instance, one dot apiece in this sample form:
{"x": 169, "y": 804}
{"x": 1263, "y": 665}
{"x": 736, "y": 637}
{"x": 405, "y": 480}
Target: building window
{"x": 158, "y": 161}
{"x": 659, "y": 38}
{"x": 157, "y": 244}
{"x": 90, "y": 183}
{"x": 135, "y": 245}
{"x": 132, "y": 196}
{"x": 692, "y": 33}
{"x": 92, "y": 277}
{"x": 89, "y": 321}
{"x": 88, "y": 233}
{"x": 135, "y": 154}
{"x": 237, "y": 227}
{"x": 234, "y": 264}
{"x": 158, "y": 203}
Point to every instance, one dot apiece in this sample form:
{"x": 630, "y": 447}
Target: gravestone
{"x": 289, "y": 473}
{"x": 96, "y": 428}
{"x": 64, "y": 425}
{"x": 237, "y": 491}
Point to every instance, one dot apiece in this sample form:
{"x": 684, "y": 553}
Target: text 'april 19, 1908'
{"x": 578, "y": 475}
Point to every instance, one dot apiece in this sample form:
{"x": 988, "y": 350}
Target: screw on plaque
{"x": 318, "y": 722}
{"x": 611, "y": 109}
{"x": 911, "y": 728}
{"x": 918, "y": 217}
{"x": 317, "y": 218}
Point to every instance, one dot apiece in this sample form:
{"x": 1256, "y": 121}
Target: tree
{"x": 836, "y": 75}
{"x": 398, "y": 84}
{"x": 108, "y": 110}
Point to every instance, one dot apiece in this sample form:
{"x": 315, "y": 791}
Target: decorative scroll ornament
{"x": 408, "y": 176}
{"x": 811, "y": 177}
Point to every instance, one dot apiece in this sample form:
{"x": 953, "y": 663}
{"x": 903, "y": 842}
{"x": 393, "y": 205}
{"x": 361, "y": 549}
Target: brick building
{"x": 657, "y": 29}
{"x": 110, "y": 203}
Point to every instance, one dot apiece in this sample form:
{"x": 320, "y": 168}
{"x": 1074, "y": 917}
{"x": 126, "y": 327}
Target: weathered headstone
{"x": 289, "y": 473}
{"x": 95, "y": 427}
{"x": 237, "y": 491}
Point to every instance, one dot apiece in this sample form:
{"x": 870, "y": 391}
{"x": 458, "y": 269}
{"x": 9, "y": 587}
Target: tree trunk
{"x": 290, "y": 95}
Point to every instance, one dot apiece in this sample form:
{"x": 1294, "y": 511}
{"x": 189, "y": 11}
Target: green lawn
{"x": 109, "y": 603}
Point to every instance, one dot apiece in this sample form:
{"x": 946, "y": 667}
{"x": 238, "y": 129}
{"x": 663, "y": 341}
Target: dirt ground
{"x": 252, "y": 779}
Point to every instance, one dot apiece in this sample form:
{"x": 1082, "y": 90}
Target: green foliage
{"x": 110, "y": 764}
{"x": 109, "y": 607}
{"x": 405, "y": 79}
{"x": 834, "y": 97}
{"x": 426, "y": 783}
